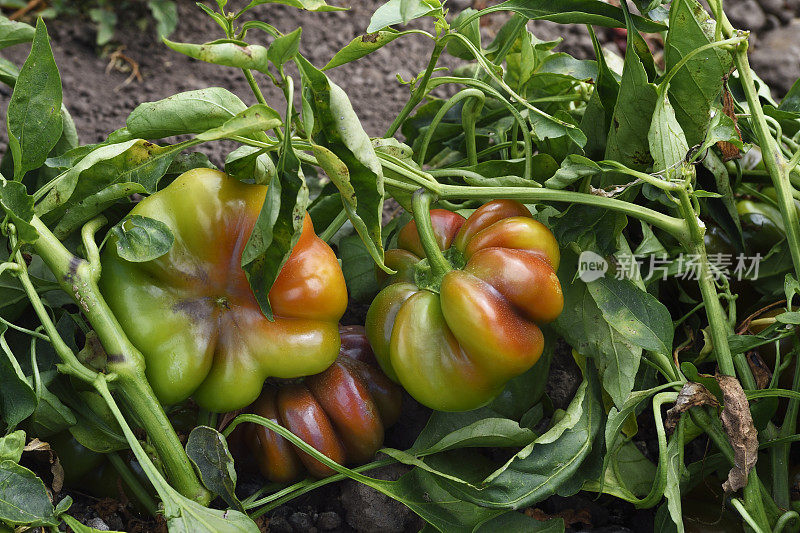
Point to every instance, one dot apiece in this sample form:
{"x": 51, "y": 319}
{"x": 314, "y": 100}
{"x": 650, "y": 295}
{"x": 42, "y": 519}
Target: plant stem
{"x": 308, "y": 486}
{"x": 491, "y": 91}
{"x": 757, "y": 494}
{"x": 421, "y": 207}
{"x": 437, "y": 118}
{"x": 251, "y": 80}
{"x": 164, "y": 490}
{"x": 672, "y": 225}
{"x": 780, "y": 454}
{"x": 77, "y": 277}
{"x": 70, "y": 364}
{"x": 337, "y": 223}
{"x": 419, "y": 90}
{"x": 771, "y": 152}
{"x": 132, "y": 482}
{"x": 469, "y": 116}
{"x": 716, "y": 316}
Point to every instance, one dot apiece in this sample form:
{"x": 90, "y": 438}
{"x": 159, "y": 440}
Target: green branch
{"x": 78, "y": 278}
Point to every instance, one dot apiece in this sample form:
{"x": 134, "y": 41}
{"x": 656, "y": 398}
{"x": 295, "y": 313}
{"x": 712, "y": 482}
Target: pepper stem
{"x": 77, "y": 277}
{"x": 421, "y": 209}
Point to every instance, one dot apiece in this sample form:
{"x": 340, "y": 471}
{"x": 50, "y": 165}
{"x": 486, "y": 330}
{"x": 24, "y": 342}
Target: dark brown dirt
{"x": 100, "y": 99}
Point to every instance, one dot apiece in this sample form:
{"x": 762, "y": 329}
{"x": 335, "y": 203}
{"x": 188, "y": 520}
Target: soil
{"x": 100, "y": 94}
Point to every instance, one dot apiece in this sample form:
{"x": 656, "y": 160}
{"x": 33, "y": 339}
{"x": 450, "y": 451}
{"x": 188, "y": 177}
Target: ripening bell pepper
{"x": 192, "y": 313}
{"x": 454, "y": 346}
{"x": 341, "y": 412}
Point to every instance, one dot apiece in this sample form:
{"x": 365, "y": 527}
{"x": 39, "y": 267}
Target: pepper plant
{"x": 634, "y": 164}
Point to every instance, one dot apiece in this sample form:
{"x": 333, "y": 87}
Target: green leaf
{"x": 646, "y": 6}
{"x": 78, "y": 527}
{"x": 51, "y": 415}
{"x": 633, "y": 112}
{"x": 471, "y": 30}
{"x": 97, "y": 429}
{"x": 573, "y": 168}
{"x": 587, "y": 329}
{"x": 697, "y": 86}
{"x": 278, "y": 227}
{"x": 552, "y": 464}
{"x": 165, "y": 12}
{"x": 257, "y": 118}
{"x": 721, "y": 128}
{"x": 182, "y": 113}
{"x": 424, "y": 494}
{"x": 675, "y": 474}
{"x": 667, "y": 142}
{"x": 543, "y": 166}
{"x": 501, "y": 181}
{"x": 706, "y": 194}
{"x": 590, "y": 227}
{"x": 790, "y": 317}
{"x": 638, "y": 315}
{"x": 228, "y": 54}
{"x": 18, "y": 205}
{"x": 106, "y": 21}
{"x": 513, "y": 521}
{"x": 561, "y": 64}
{"x": 284, "y": 48}
{"x": 629, "y": 477}
{"x": 791, "y": 102}
{"x": 308, "y": 5}
{"x": 597, "y": 119}
{"x": 11, "y": 446}
{"x": 326, "y": 207}
{"x": 208, "y": 451}
{"x": 358, "y": 268}
{"x": 618, "y": 416}
{"x": 593, "y": 12}
{"x": 13, "y": 32}
{"x": 186, "y": 162}
{"x": 140, "y": 239}
{"x": 480, "y": 428}
{"x": 9, "y": 72}
{"x": 394, "y": 12}
{"x": 248, "y": 163}
{"x": 345, "y": 152}
{"x": 393, "y": 147}
{"x": 363, "y": 45}
{"x": 23, "y": 497}
{"x": 17, "y": 397}
{"x": 191, "y": 517}
{"x": 102, "y": 177}
{"x": 34, "y": 112}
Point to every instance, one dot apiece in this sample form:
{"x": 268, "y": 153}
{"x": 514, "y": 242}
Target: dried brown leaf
{"x": 42, "y": 449}
{"x": 729, "y": 151}
{"x": 761, "y": 372}
{"x": 35, "y": 445}
{"x": 58, "y": 475}
{"x": 692, "y": 395}
{"x": 738, "y": 425}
